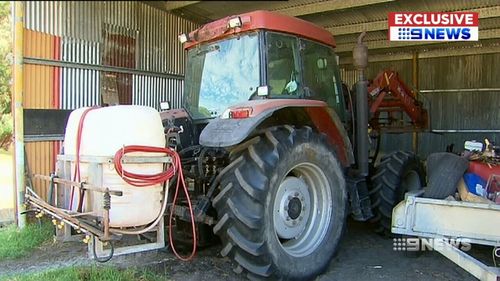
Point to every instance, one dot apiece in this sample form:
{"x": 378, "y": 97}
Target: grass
{"x": 93, "y": 273}
{"x": 16, "y": 243}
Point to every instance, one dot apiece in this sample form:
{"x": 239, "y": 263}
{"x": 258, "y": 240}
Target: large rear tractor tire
{"x": 397, "y": 173}
{"x": 281, "y": 205}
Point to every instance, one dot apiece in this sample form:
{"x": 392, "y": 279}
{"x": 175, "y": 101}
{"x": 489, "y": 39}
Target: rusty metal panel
{"x": 80, "y": 27}
{"x": 158, "y": 47}
{"x": 39, "y": 81}
{"x": 40, "y": 161}
{"x": 39, "y": 88}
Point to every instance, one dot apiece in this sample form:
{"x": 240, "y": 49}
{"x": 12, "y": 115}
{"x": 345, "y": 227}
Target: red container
{"x": 483, "y": 170}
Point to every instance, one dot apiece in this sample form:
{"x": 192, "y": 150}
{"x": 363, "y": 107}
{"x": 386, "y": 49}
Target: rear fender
{"x": 227, "y": 132}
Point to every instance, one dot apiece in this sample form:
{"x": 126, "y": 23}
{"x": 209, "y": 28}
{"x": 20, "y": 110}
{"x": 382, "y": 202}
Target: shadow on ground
{"x": 363, "y": 256}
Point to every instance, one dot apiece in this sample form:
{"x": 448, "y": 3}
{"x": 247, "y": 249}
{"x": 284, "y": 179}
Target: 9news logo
{"x": 460, "y": 26}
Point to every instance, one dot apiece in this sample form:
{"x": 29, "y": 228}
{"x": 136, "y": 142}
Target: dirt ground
{"x": 363, "y": 256}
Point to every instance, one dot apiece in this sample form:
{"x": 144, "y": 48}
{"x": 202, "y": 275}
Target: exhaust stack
{"x": 360, "y": 58}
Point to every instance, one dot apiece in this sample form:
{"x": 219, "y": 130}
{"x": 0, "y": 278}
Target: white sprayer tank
{"x": 105, "y": 131}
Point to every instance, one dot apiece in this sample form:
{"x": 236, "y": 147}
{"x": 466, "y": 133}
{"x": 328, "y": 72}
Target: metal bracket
{"x": 359, "y": 199}
{"x": 129, "y": 249}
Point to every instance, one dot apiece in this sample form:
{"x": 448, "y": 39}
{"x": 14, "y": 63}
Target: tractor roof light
{"x": 183, "y": 38}
{"x": 240, "y": 113}
{"x": 235, "y": 22}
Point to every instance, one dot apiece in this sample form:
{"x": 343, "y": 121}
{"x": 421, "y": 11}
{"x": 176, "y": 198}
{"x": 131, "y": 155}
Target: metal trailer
{"x": 450, "y": 222}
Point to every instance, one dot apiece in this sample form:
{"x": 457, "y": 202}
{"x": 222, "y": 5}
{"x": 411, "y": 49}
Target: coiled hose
{"x": 142, "y": 180}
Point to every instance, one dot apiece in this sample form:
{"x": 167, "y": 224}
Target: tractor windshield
{"x": 221, "y": 74}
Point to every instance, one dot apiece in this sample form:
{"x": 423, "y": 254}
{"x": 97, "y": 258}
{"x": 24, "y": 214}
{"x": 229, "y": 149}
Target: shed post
{"x": 415, "y": 84}
{"x": 17, "y": 102}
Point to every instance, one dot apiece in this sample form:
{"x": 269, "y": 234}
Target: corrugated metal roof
{"x": 379, "y": 11}
{"x": 219, "y": 9}
{"x": 361, "y": 12}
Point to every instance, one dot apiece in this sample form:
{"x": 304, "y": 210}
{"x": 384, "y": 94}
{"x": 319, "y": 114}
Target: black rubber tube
{"x": 102, "y": 259}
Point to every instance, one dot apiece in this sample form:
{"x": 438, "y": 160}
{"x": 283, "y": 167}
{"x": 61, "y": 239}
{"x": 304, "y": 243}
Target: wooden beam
{"x": 347, "y": 59}
{"x": 484, "y": 13}
{"x": 329, "y": 5}
{"x": 428, "y": 54}
{"x": 172, "y": 5}
{"x": 358, "y": 28}
{"x": 385, "y": 44}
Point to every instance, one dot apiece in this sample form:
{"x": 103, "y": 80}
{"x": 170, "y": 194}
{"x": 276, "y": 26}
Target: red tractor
{"x": 268, "y": 136}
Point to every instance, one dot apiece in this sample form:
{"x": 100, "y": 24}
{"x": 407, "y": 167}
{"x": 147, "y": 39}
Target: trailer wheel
{"x": 281, "y": 205}
{"x": 444, "y": 171}
{"x": 397, "y": 173}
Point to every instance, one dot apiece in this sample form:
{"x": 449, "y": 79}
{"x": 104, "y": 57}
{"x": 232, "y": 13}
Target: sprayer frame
{"x": 72, "y": 219}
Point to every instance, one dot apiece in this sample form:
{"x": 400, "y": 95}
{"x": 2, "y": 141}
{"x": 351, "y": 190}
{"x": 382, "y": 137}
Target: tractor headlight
{"x": 183, "y": 38}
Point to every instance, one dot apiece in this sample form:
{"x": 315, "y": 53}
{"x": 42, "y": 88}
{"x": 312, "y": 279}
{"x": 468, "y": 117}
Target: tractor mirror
{"x": 321, "y": 63}
{"x": 164, "y": 105}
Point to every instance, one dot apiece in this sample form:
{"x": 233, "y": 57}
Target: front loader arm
{"x": 390, "y": 95}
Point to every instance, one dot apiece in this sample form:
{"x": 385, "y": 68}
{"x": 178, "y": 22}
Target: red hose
{"x": 79, "y": 133}
{"x": 142, "y": 180}
{"x": 180, "y": 178}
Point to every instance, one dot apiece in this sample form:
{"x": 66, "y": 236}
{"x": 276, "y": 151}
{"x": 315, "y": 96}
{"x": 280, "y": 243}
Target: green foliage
{"x": 89, "y": 274}
{"x": 5, "y": 130}
{"x": 15, "y": 243}
{"x": 5, "y": 56}
{"x": 5, "y": 74}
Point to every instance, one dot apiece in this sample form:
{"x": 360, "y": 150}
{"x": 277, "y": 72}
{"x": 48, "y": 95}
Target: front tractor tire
{"x": 397, "y": 173}
{"x": 282, "y": 205}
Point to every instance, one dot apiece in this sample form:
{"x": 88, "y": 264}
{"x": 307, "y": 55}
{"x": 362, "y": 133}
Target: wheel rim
{"x": 302, "y": 209}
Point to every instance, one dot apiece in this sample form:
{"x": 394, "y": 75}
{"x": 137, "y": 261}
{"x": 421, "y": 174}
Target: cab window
{"x": 283, "y": 66}
{"x": 321, "y": 76}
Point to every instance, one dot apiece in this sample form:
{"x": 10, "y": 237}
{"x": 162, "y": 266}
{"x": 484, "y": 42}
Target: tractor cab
{"x": 258, "y": 55}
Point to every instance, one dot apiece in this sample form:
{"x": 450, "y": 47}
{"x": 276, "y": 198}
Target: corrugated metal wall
{"x": 74, "y": 32}
{"x": 38, "y": 90}
{"x": 80, "y": 26}
{"x": 461, "y": 110}
{"x": 448, "y": 110}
